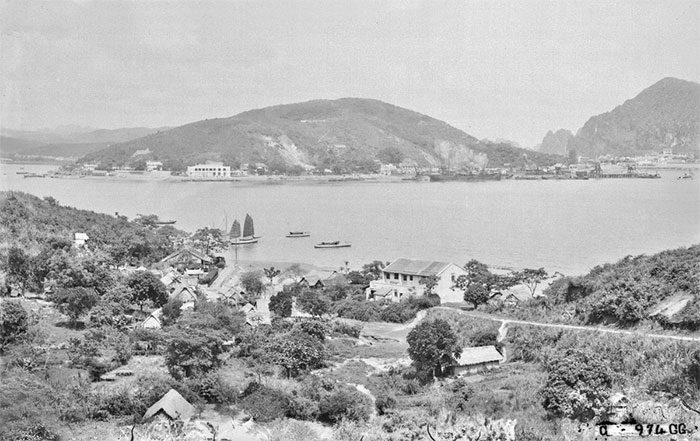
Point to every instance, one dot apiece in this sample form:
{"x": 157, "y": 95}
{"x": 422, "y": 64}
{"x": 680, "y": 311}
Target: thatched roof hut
{"x": 173, "y": 406}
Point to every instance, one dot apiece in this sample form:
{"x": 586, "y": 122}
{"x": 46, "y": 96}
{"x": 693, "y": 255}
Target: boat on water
{"x": 298, "y": 234}
{"x": 332, "y": 244}
{"x": 21, "y": 171}
{"x": 686, "y": 175}
{"x": 465, "y": 177}
{"x": 248, "y": 232}
{"x": 34, "y": 175}
{"x": 169, "y": 222}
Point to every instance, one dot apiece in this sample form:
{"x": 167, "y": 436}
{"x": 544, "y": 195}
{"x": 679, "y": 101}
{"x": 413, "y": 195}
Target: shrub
{"x": 74, "y": 302}
{"x": 212, "y": 388}
{"x": 313, "y": 328}
{"x": 192, "y": 352}
{"x": 384, "y": 401}
{"x": 171, "y": 311}
{"x": 578, "y": 384}
{"x": 347, "y": 329}
{"x": 14, "y": 323}
{"x": 341, "y": 404}
{"x": 265, "y": 404}
{"x": 29, "y": 432}
{"x": 303, "y": 408}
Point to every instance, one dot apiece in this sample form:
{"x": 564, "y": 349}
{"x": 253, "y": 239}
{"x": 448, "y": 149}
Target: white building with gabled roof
{"x": 402, "y": 277}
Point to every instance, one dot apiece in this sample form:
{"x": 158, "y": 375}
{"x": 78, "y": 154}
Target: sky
{"x": 495, "y": 69}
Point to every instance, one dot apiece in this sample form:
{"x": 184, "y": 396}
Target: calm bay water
{"x": 566, "y": 226}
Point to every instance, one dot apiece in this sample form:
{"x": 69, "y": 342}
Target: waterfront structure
{"x": 476, "y": 359}
{"x": 185, "y": 256}
{"x": 210, "y": 170}
{"x": 403, "y": 276}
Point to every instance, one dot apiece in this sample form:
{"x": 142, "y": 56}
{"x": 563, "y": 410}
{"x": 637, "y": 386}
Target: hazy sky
{"x": 493, "y": 69}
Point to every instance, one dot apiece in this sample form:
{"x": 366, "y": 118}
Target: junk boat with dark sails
{"x": 248, "y": 232}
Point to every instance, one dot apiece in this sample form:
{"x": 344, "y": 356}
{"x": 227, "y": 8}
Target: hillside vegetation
{"x": 343, "y": 135}
{"x": 663, "y": 288}
{"x": 31, "y": 223}
{"x": 664, "y": 115}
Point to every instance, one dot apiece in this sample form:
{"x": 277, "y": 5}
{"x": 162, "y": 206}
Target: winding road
{"x": 505, "y": 321}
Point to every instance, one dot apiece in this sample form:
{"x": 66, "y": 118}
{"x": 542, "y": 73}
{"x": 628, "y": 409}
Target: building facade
{"x": 210, "y": 170}
{"x": 402, "y": 278}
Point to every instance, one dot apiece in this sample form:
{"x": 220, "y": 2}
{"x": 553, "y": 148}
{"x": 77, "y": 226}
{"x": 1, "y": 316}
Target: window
{"x": 411, "y": 278}
{"x": 396, "y": 276}
{"x": 404, "y": 278}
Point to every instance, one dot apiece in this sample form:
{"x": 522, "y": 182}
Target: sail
{"x": 248, "y": 230}
{"x": 235, "y": 230}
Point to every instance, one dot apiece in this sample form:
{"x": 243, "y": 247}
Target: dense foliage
{"x": 432, "y": 345}
{"x": 32, "y": 223}
{"x": 635, "y": 289}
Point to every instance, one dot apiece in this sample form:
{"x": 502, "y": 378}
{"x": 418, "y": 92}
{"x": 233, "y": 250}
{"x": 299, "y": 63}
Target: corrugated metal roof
{"x": 416, "y": 267}
{"x": 479, "y": 354}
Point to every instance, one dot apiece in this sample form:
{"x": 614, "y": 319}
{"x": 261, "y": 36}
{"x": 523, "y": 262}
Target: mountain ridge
{"x": 344, "y": 135}
{"x": 664, "y": 115}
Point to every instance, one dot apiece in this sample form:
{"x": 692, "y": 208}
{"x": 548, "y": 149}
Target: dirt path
{"x": 505, "y": 321}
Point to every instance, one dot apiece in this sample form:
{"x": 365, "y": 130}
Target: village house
{"x": 320, "y": 279}
{"x": 403, "y": 276}
{"x": 187, "y": 256}
{"x": 172, "y": 406}
{"x": 154, "y": 320}
{"x": 80, "y": 239}
{"x": 210, "y": 170}
{"x": 476, "y": 359}
{"x": 408, "y": 167}
{"x": 184, "y": 293}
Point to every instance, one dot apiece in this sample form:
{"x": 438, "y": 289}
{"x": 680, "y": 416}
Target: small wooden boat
{"x": 332, "y": 244}
{"x": 170, "y": 222}
{"x": 298, "y": 234}
{"x": 686, "y": 176}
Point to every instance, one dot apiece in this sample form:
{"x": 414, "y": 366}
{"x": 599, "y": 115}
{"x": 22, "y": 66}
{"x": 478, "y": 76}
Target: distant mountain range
{"x": 665, "y": 115}
{"x": 343, "y": 135}
{"x": 65, "y": 141}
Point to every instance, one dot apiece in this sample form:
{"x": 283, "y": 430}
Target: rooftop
{"x": 416, "y": 267}
{"x": 478, "y": 355}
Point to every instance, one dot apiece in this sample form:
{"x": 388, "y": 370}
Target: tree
{"x": 74, "y": 302}
{"x": 295, "y": 352}
{"x": 313, "y": 302}
{"x": 479, "y": 283}
{"x": 578, "y": 384}
{"x": 271, "y": 273}
{"x": 209, "y": 240}
{"x": 281, "y": 303}
{"x": 432, "y": 345}
{"x": 171, "y": 311}
{"x": 573, "y": 156}
{"x": 530, "y": 278}
{"x": 373, "y": 270}
{"x": 252, "y": 285}
{"x": 477, "y": 294}
{"x": 145, "y": 287}
{"x": 390, "y": 155}
{"x": 429, "y": 283}
{"x": 193, "y": 352}
{"x": 14, "y": 323}
{"x": 18, "y": 268}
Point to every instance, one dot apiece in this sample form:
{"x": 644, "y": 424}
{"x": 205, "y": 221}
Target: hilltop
{"x": 66, "y": 141}
{"x": 344, "y": 135}
{"x": 664, "y": 115}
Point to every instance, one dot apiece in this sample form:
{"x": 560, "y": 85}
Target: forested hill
{"x": 345, "y": 135}
{"x": 664, "y": 115}
{"x": 31, "y": 223}
{"x": 664, "y": 287}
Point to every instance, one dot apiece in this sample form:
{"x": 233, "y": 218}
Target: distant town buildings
{"x": 210, "y": 170}
{"x": 154, "y": 166}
